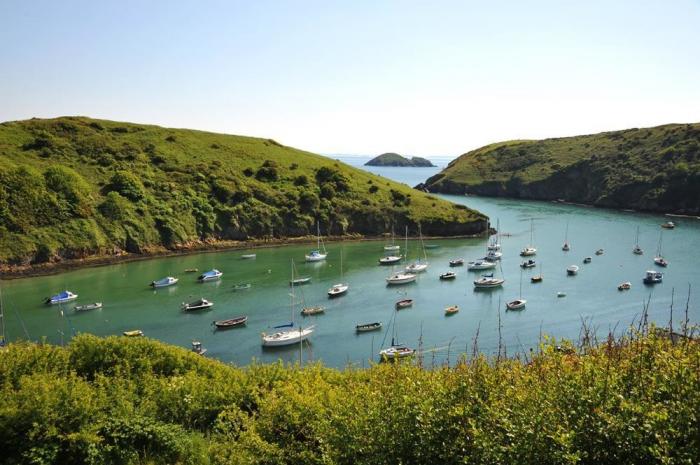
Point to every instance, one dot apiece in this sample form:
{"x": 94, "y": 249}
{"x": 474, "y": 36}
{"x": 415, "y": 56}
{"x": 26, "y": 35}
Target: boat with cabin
{"x": 571, "y": 270}
{"x": 528, "y": 264}
{"x": 457, "y": 262}
{"x": 448, "y": 276}
{"x": 199, "y": 304}
{"x": 164, "y": 282}
{"x": 211, "y": 275}
{"x": 60, "y": 298}
{"x": 653, "y": 277}
{"x": 668, "y": 225}
{"x": 198, "y": 348}
{"x": 320, "y": 252}
{"x": 480, "y": 265}
{"x": 488, "y": 281}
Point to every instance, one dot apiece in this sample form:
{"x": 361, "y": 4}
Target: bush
{"x": 128, "y": 185}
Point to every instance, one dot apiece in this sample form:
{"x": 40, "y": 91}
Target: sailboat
{"x": 495, "y": 244}
{"x": 419, "y": 265}
{"x": 317, "y": 255}
{"x": 518, "y": 303}
{"x": 286, "y": 337}
{"x": 538, "y": 278}
{"x": 3, "y": 341}
{"x": 340, "y": 288}
{"x": 391, "y": 247}
{"x": 396, "y": 350}
{"x": 401, "y": 277}
{"x": 530, "y": 249}
{"x": 659, "y": 258}
{"x": 305, "y": 310}
{"x": 566, "y": 247}
{"x": 637, "y": 249}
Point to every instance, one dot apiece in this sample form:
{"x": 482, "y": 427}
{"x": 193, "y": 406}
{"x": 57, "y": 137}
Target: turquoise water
{"x": 592, "y": 295}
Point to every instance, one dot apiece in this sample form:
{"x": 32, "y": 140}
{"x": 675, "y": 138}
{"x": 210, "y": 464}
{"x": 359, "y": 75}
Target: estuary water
{"x": 591, "y": 296}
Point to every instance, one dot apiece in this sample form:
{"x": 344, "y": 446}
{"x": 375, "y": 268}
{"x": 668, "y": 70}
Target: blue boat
{"x": 63, "y": 297}
{"x": 211, "y": 275}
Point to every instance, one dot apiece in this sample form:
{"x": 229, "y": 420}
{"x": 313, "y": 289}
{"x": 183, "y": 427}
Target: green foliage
{"x": 647, "y": 169}
{"x": 75, "y": 187}
{"x": 120, "y": 401}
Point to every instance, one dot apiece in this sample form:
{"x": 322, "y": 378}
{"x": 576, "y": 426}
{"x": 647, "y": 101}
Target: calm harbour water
{"x": 591, "y": 295}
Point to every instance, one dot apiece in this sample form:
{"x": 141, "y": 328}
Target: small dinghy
{"x": 588, "y": 260}
{"x": 561, "y": 294}
{"x": 366, "y": 327}
{"x": 457, "y": 262}
{"x": 572, "y": 270}
{"x": 404, "y": 303}
{"x": 599, "y": 252}
{"x": 315, "y": 310}
{"x": 165, "y": 282}
{"x": 337, "y": 290}
{"x": 231, "y": 322}
{"x": 528, "y": 264}
{"x": 199, "y": 304}
{"x": 85, "y": 308}
{"x": 241, "y": 286}
{"x": 298, "y": 281}
{"x": 447, "y": 276}
{"x": 248, "y": 256}
{"x": 133, "y": 333}
{"x": 61, "y": 298}
{"x": 451, "y": 310}
{"x": 668, "y": 225}
{"x": 198, "y": 348}
{"x": 191, "y": 270}
{"x": 516, "y": 304}
{"x": 211, "y": 275}
{"x": 626, "y": 286}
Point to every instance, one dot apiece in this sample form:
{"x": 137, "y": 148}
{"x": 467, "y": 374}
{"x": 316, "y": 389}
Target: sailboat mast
{"x": 318, "y": 235}
{"x": 420, "y": 233}
{"x": 2, "y": 321}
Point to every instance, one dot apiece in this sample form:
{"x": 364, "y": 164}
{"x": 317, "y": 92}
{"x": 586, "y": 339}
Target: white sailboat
{"x": 566, "y": 247}
{"x": 393, "y": 246}
{"x": 659, "y": 258}
{"x": 320, "y": 253}
{"x": 637, "y": 250}
{"x": 530, "y": 249}
{"x": 293, "y": 335}
{"x": 340, "y": 288}
{"x": 401, "y": 277}
{"x": 518, "y": 303}
{"x": 396, "y": 350}
{"x": 419, "y": 265}
{"x": 495, "y": 244}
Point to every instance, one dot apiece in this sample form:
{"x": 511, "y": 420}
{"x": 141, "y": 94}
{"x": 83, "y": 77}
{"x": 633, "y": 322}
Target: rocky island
{"x": 394, "y": 159}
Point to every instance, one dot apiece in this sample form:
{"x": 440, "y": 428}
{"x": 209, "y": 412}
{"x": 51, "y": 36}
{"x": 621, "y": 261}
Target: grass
{"x": 120, "y": 401}
{"x": 77, "y": 187}
{"x": 655, "y": 169}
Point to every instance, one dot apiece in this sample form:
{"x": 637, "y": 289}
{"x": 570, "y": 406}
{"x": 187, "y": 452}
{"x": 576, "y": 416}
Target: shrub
{"x": 127, "y": 184}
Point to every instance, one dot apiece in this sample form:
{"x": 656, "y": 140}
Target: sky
{"x": 356, "y": 77}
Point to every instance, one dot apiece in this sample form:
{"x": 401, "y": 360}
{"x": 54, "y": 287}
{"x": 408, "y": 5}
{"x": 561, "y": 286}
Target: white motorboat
{"x": 572, "y": 270}
{"x": 389, "y": 259}
{"x": 248, "y": 256}
{"x": 488, "y": 281}
{"x": 457, "y": 262}
{"x": 400, "y": 278}
{"x": 198, "y": 348}
{"x": 211, "y": 275}
{"x": 165, "y": 282}
{"x": 480, "y": 265}
{"x": 588, "y": 260}
{"x": 653, "y": 277}
{"x": 320, "y": 253}
{"x": 528, "y": 264}
{"x": 199, "y": 304}
{"x": 61, "y": 298}
{"x": 668, "y": 225}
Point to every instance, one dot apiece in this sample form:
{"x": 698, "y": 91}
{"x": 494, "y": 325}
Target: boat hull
{"x": 285, "y": 338}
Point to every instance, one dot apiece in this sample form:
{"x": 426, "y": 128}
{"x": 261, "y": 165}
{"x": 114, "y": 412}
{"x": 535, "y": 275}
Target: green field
{"x": 654, "y": 169}
{"x": 136, "y": 401}
{"x": 75, "y": 187}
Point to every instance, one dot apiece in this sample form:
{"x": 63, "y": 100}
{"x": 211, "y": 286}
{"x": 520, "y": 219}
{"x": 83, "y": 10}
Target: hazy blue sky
{"x": 425, "y": 78}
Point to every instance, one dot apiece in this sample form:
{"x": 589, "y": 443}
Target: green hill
{"x": 654, "y": 169}
{"x": 137, "y": 401}
{"x": 75, "y": 187}
{"x": 394, "y": 159}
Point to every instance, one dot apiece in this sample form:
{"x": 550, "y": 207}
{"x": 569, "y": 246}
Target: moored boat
{"x": 389, "y": 259}
{"x": 661, "y": 261}
{"x": 599, "y": 252}
{"x": 301, "y": 280}
{"x": 164, "y": 282}
{"x": 637, "y": 250}
{"x": 287, "y": 337}
{"x": 317, "y": 255}
{"x": 624, "y": 286}
{"x": 572, "y": 270}
{"x": 404, "y": 303}
{"x": 480, "y": 265}
{"x": 191, "y": 270}
{"x": 338, "y": 290}
{"x": 400, "y": 278}
{"x": 365, "y": 327}
{"x": 457, "y": 262}
{"x": 668, "y": 225}
{"x": 488, "y": 281}
{"x": 493, "y": 255}
{"x": 199, "y": 304}
{"x": 60, "y": 298}
{"x": 588, "y": 260}
{"x": 248, "y": 256}
{"x": 396, "y": 352}
{"x": 85, "y": 308}
{"x": 314, "y": 310}
{"x": 528, "y": 264}
{"x": 133, "y": 333}
{"x": 211, "y": 275}
{"x": 653, "y": 277}
{"x": 530, "y": 249}
{"x": 516, "y": 304}
{"x": 451, "y": 310}
{"x": 447, "y": 276}
{"x": 198, "y": 348}
{"x": 231, "y": 322}
{"x": 241, "y": 286}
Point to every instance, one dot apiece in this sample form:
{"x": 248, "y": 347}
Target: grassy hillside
{"x": 79, "y": 187}
{"x": 129, "y": 401}
{"x": 656, "y": 169}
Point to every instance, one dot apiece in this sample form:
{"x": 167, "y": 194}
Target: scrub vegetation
{"x": 653, "y": 169}
{"x": 75, "y": 187}
{"x": 121, "y": 400}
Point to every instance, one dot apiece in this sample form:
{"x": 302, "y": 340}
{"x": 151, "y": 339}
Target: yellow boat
{"x": 133, "y": 333}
